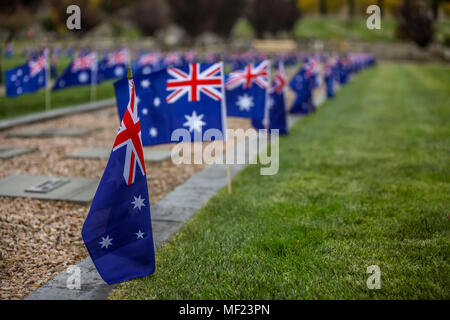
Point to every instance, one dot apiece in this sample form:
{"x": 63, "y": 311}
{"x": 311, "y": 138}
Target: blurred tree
{"x": 191, "y": 15}
{"x": 272, "y": 16}
{"x": 150, "y": 15}
{"x": 415, "y": 22}
{"x": 16, "y": 15}
{"x": 323, "y": 7}
{"x": 112, "y": 6}
{"x": 198, "y": 16}
{"x": 224, "y": 15}
{"x": 351, "y": 8}
{"x": 91, "y": 14}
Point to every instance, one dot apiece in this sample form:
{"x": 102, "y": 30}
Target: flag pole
{"x": 94, "y": 81}
{"x": 47, "y": 83}
{"x": 225, "y": 122}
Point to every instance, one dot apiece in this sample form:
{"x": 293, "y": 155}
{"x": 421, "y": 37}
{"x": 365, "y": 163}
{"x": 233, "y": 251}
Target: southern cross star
{"x": 106, "y": 242}
{"x": 156, "y": 102}
{"x": 140, "y": 234}
{"x": 194, "y": 122}
{"x": 145, "y": 83}
{"x": 138, "y": 202}
{"x": 153, "y": 132}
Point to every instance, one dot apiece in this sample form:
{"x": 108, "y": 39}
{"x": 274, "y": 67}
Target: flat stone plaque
{"x": 53, "y": 132}
{"x": 153, "y": 155}
{"x": 81, "y": 190}
{"x": 48, "y": 185}
{"x": 7, "y": 152}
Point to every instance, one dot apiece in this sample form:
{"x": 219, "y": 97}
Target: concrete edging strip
{"x": 55, "y": 113}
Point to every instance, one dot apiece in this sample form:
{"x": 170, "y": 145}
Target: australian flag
{"x": 147, "y": 63}
{"x": 118, "y": 231}
{"x": 82, "y": 71}
{"x": 248, "y": 91}
{"x": 189, "y": 97}
{"x": 303, "y": 83}
{"x": 277, "y": 108}
{"x": 113, "y": 65}
{"x": 27, "y": 78}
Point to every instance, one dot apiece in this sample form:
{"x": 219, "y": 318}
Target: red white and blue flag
{"x": 113, "y": 65}
{"x": 277, "y": 109}
{"x": 190, "y": 97}
{"x": 82, "y": 71}
{"x": 29, "y": 77}
{"x": 248, "y": 91}
{"x": 118, "y": 231}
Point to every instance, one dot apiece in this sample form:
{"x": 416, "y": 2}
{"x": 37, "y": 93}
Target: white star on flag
{"x": 144, "y": 111}
{"x": 83, "y": 77}
{"x": 145, "y": 83}
{"x": 156, "y": 102}
{"x": 118, "y": 71}
{"x": 146, "y": 70}
{"x": 194, "y": 122}
{"x": 271, "y": 102}
{"x": 106, "y": 242}
{"x": 137, "y": 100}
{"x": 140, "y": 234}
{"x": 245, "y": 102}
{"x": 138, "y": 202}
{"x": 153, "y": 132}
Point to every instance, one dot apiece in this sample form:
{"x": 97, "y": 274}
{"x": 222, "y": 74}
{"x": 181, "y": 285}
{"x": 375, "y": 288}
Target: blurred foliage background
{"x": 422, "y": 21}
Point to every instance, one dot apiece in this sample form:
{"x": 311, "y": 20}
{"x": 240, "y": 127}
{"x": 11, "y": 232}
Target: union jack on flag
{"x": 88, "y": 61}
{"x": 249, "y": 75}
{"x": 36, "y": 66}
{"x": 150, "y": 58}
{"x": 280, "y": 79}
{"x": 208, "y": 81}
{"x": 129, "y": 135}
{"x": 119, "y": 57}
{"x": 172, "y": 59}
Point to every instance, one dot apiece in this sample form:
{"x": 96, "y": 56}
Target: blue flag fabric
{"x": 300, "y": 85}
{"x": 277, "y": 107}
{"x": 27, "y": 78}
{"x": 189, "y": 97}
{"x": 81, "y": 71}
{"x": 113, "y": 65}
{"x": 303, "y": 83}
{"x": 248, "y": 91}
{"x": 147, "y": 63}
{"x": 117, "y": 231}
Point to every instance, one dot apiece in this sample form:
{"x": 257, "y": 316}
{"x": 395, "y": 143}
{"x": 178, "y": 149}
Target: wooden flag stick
{"x": 224, "y": 115}
{"x": 47, "y": 83}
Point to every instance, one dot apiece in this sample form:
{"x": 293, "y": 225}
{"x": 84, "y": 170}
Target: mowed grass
{"x": 364, "y": 181}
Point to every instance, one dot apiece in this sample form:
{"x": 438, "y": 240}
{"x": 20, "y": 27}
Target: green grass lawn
{"x": 364, "y": 181}
{"x": 336, "y": 28}
{"x": 35, "y": 102}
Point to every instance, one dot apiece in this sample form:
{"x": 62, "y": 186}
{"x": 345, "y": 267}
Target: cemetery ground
{"x": 40, "y": 238}
{"x": 363, "y": 181}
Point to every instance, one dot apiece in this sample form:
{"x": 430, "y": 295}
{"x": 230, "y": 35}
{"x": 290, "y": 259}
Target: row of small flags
{"x": 114, "y": 65}
{"x": 196, "y": 96}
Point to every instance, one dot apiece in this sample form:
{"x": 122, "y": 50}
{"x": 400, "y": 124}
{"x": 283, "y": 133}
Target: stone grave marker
{"x": 7, "y": 152}
{"x": 52, "y": 132}
{"x": 80, "y": 190}
{"x": 153, "y": 155}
